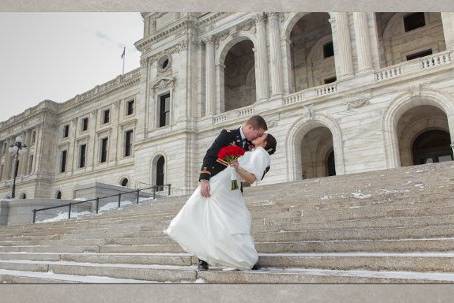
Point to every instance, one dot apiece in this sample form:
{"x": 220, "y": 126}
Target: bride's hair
{"x": 270, "y": 144}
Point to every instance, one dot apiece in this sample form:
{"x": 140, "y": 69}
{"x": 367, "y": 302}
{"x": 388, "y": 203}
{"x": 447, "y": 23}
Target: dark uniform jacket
{"x": 227, "y": 137}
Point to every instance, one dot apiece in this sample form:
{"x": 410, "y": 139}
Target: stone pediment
{"x": 163, "y": 83}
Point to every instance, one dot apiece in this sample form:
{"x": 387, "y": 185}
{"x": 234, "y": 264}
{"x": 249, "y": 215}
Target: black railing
{"x": 155, "y": 189}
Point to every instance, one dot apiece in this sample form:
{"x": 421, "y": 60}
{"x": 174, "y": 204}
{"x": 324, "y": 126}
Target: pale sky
{"x": 59, "y": 55}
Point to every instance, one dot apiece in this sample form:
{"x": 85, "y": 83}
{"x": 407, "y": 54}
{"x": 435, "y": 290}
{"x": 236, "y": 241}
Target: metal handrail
{"x": 137, "y": 191}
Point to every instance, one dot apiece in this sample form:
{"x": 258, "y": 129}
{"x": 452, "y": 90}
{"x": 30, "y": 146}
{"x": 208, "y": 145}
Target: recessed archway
{"x": 311, "y": 52}
{"x": 158, "y": 172}
{"x": 317, "y": 156}
{"x": 239, "y": 76}
{"x": 423, "y": 136}
{"x": 407, "y": 36}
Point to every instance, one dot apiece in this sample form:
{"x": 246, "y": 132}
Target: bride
{"x": 217, "y": 229}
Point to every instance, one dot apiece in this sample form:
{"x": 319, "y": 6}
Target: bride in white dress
{"x": 217, "y": 229}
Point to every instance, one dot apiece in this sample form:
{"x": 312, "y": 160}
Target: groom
{"x": 253, "y": 128}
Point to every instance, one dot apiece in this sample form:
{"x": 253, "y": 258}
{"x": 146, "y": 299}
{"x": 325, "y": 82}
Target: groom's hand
{"x": 205, "y": 188}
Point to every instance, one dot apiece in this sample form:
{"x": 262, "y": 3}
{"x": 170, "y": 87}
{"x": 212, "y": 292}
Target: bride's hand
{"x": 235, "y": 164}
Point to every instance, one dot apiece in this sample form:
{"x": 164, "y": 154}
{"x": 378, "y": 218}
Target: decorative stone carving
{"x": 357, "y": 103}
{"x": 309, "y": 111}
{"x": 163, "y": 83}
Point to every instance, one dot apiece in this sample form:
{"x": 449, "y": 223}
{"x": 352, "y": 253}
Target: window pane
{"x": 414, "y": 21}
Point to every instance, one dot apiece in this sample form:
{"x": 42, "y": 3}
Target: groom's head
{"x": 254, "y": 127}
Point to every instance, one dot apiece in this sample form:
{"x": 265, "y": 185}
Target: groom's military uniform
{"x": 227, "y": 137}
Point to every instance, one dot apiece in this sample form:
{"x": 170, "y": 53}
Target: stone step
{"x": 142, "y": 248}
{"x": 26, "y": 277}
{"x": 277, "y": 235}
{"x": 178, "y": 259}
{"x": 158, "y": 273}
{"x": 417, "y": 262}
{"x": 49, "y": 248}
{"x": 377, "y": 261}
{"x": 168, "y": 273}
{"x": 384, "y": 245}
{"x": 301, "y": 275}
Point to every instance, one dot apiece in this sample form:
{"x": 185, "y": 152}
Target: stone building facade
{"x": 343, "y": 92}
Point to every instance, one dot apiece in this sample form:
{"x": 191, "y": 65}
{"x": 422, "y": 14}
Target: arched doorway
{"x": 317, "y": 154}
{"x": 158, "y": 174}
{"x": 423, "y": 136}
{"x": 432, "y": 146}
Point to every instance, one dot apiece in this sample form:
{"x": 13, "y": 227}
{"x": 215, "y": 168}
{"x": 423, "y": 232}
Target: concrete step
{"x": 49, "y": 248}
{"x": 383, "y": 245}
{"x": 158, "y": 273}
{"x": 301, "y": 275}
{"x": 416, "y": 261}
{"x": 277, "y": 234}
{"x": 178, "y": 259}
{"x": 26, "y": 277}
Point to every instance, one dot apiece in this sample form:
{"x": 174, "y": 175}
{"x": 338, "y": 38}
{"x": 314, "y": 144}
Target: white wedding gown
{"x": 218, "y": 229}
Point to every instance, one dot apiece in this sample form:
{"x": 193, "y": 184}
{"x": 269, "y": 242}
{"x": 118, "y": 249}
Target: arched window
{"x": 58, "y": 195}
{"x": 158, "y": 172}
{"x": 124, "y": 182}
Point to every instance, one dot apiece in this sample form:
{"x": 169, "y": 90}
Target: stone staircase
{"x": 376, "y": 227}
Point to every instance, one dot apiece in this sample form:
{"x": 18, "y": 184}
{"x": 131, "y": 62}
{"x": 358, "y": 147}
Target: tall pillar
{"x": 447, "y": 19}
{"x": 261, "y": 57}
{"x": 210, "y": 79}
{"x": 220, "y": 105}
{"x": 342, "y": 45}
{"x": 275, "y": 54}
{"x": 362, "y": 39}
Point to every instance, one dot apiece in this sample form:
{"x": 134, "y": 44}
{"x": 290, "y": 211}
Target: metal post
{"x": 13, "y": 194}
{"x": 119, "y": 200}
{"x": 34, "y": 216}
{"x": 169, "y": 188}
{"x": 69, "y": 212}
{"x": 138, "y": 192}
{"x": 97, "y": 204}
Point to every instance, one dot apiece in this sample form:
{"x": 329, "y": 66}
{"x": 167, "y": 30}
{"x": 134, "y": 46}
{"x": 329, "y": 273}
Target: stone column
{"x": 275, "y": 54}
{"x": 220, "y": 104}
{"x": 261, "y": 57}
{"x": 447, "y": 19}
{"x": 362, "y": 39}
{"x": 210, "y": 79}
{"x": 342, "y": 45}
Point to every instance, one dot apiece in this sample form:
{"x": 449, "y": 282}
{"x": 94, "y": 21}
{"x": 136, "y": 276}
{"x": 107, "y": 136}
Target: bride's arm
{"x": 247, "y": 176}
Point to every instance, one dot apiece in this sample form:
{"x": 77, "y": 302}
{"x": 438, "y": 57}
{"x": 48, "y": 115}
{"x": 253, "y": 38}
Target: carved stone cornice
{"x": 234, "y": 31}
{"x": 121, "y": 81}
{"x": 145, "y": 44}
{"x": 179, "y": 47}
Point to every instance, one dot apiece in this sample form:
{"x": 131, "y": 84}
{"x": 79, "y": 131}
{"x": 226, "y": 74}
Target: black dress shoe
{"x": 202, "y": 265}
{"x": 256, "y": 266}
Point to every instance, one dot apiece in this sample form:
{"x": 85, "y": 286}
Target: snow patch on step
{"x": 360, "y": 195}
